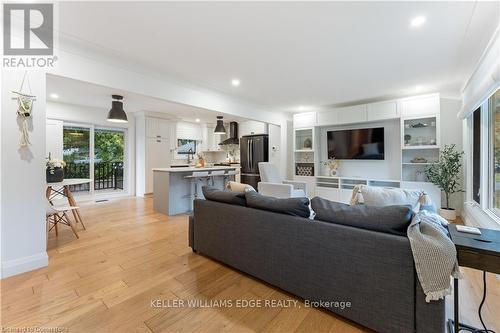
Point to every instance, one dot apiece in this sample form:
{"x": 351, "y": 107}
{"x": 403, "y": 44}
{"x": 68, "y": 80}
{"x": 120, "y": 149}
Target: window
{"x": 476, "y": 156}
{"x": 186, "y": 146}
{"x": 494, "y": 108}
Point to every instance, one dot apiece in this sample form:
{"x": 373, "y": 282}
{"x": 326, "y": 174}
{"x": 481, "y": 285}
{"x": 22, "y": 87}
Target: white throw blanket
{"x": 434, "y": 254}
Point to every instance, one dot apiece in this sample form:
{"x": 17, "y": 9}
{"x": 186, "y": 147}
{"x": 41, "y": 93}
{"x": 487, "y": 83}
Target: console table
{"x": 480, "y": 252}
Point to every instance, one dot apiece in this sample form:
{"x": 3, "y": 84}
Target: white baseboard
{"x": 25, "y": 264}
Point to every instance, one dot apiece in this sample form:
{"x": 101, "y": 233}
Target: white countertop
{"x": 191, "y": 169}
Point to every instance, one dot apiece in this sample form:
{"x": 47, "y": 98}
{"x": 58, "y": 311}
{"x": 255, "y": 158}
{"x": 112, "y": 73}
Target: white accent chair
{"x": 273, "y": 185}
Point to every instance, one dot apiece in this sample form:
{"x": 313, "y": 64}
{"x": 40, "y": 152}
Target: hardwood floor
{"x": 130, "y": 256}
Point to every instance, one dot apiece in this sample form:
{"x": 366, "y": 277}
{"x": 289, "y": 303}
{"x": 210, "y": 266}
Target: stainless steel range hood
{"x": 233, "y": 135}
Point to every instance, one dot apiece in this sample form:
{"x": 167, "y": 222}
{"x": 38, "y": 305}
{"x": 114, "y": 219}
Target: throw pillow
{"x": 389, "y": 219}
{"x": 239, "y": 187}
{"x": 233, "y": 198}
{"x": 289, "y": 206}
{"x": 380, "y": 196}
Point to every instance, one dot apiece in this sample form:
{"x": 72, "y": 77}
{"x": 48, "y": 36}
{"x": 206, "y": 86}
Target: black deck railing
{"x": 107, "y": 175}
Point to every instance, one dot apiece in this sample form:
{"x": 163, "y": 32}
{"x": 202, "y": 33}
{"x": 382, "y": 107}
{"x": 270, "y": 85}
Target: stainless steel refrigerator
{"x": 253, "y": 149}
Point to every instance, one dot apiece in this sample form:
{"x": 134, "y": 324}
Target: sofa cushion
{"x": 289, "y": 206}
{"x": 389, "y": 219}
{"x": 233, "y": 198}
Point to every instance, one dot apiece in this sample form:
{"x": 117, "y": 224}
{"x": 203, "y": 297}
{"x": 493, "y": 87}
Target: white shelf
{"x": 421, "y": 147}
{"x": 304, "y": 150}
{"x": 410, "y": 163}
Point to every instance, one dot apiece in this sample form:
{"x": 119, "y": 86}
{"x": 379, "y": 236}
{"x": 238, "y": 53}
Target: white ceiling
{"x": 86, "y": 94}
{"x": 288, "y": 54}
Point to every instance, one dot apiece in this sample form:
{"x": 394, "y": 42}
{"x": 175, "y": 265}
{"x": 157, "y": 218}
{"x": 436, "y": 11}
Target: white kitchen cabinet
{"x": 420, "y": 106}
{"x": 252, "y": 127}
{"x": 352, "y": 114}
{"x": 306, "y": 119}
{"x": 158, "y": 156}
{"x": 158, "y": 128}
{"x": 330, "y": 117}
{"x": 382, "y": 111}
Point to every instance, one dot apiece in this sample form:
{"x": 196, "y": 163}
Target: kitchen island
{"x": 174, "y": 188}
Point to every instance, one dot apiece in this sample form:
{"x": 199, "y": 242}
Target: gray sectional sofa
{"x": 320, "y": 261}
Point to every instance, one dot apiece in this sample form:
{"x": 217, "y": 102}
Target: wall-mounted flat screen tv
{"x": 356, "y": 144}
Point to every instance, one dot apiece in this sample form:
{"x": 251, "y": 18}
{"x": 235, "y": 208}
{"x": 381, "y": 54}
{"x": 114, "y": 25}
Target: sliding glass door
{"x": 97, "y": 154}
{"x": 77, "y": 155}
{"x": 109, "y": 147}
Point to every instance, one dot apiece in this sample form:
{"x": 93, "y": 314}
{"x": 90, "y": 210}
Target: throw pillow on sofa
{"x": 289, "y": 206}
{"x": 239, "y": 187}
{"x": 389, "y": 219}
{"x": 380, "y": 196}
{"x": 233, "y": 198}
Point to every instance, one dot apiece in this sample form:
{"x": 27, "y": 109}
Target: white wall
{"x": 451, "y": 133}
{"x": 93, "y": 116}
{"x": 389, "y": 168}
{"x": 23, "y": 202}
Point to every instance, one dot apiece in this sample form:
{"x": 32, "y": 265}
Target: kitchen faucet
{"x": 190, "y": 155}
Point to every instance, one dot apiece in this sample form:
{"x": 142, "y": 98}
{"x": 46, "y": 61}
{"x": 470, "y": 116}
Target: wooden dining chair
{"x": 58, "y": 215}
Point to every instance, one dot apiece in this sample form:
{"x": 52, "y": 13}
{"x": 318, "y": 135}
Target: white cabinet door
{"x": 328, "y": 118}
{"x": 163, "y": 128}
{"x": 420, "y": 106}
{"x": 331, "y": 194}
{"x": 307, "y": 119}
{"x": 252, "y": 127}
{"x": 158, "y": 128}
{"x": 345, "y": 196}
{"x": 352, "y": 114}
{"x": 54, "y": 139}
{"x": 383, "y": 110}
{"x": 152, "y": 127}
{"x": 158, "y": 156}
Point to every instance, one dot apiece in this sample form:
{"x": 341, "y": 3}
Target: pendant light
{"x": 220, "y": 129}
{"x": 116, "y": 114}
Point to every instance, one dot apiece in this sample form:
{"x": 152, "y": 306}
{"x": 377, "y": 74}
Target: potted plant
{"x": 54, "y": 172}
{"x": 445, "y": 174}
{"x": 332, "y": 165}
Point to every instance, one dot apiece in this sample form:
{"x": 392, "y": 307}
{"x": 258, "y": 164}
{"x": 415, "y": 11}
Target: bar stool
{"x": 217, "y": 173}
{"x": 197, "y": 178}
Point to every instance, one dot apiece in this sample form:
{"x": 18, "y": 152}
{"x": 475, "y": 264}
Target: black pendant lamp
{"x": 220, "y": 129}
{"x": 116, "y": 114}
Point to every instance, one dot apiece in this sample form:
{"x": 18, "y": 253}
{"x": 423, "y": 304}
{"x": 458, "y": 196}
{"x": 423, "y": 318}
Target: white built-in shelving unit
{"x": 420, "y": 138}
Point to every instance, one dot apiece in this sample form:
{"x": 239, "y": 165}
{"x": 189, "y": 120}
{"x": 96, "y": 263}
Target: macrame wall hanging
{"x": 24, "y": 110}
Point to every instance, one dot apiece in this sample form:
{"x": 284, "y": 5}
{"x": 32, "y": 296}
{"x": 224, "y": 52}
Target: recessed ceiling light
{"x": 54, "y": 96}
{"x": 235, "y": 82}
{"x": 197, "y": 120}
{"x": 418, "y": 21}
{"x": 418, "y": 88}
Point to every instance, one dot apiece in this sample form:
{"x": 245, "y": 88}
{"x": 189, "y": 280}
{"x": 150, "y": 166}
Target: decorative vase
{"x": 308, "y": 143}
{"x": 333, "y": 172}
{"x": 449, "y": 214}
{"x": 56, "y": 175}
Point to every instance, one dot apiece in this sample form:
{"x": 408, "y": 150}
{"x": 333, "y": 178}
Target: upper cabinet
{"x": 158, "y": 128}
{"x": 420, "y": 106}
{"x": 352, "y": 114}
{"x": 382, "y": 111}
{"x": 252, "y": 127}
{"x": 307, "y": 119}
